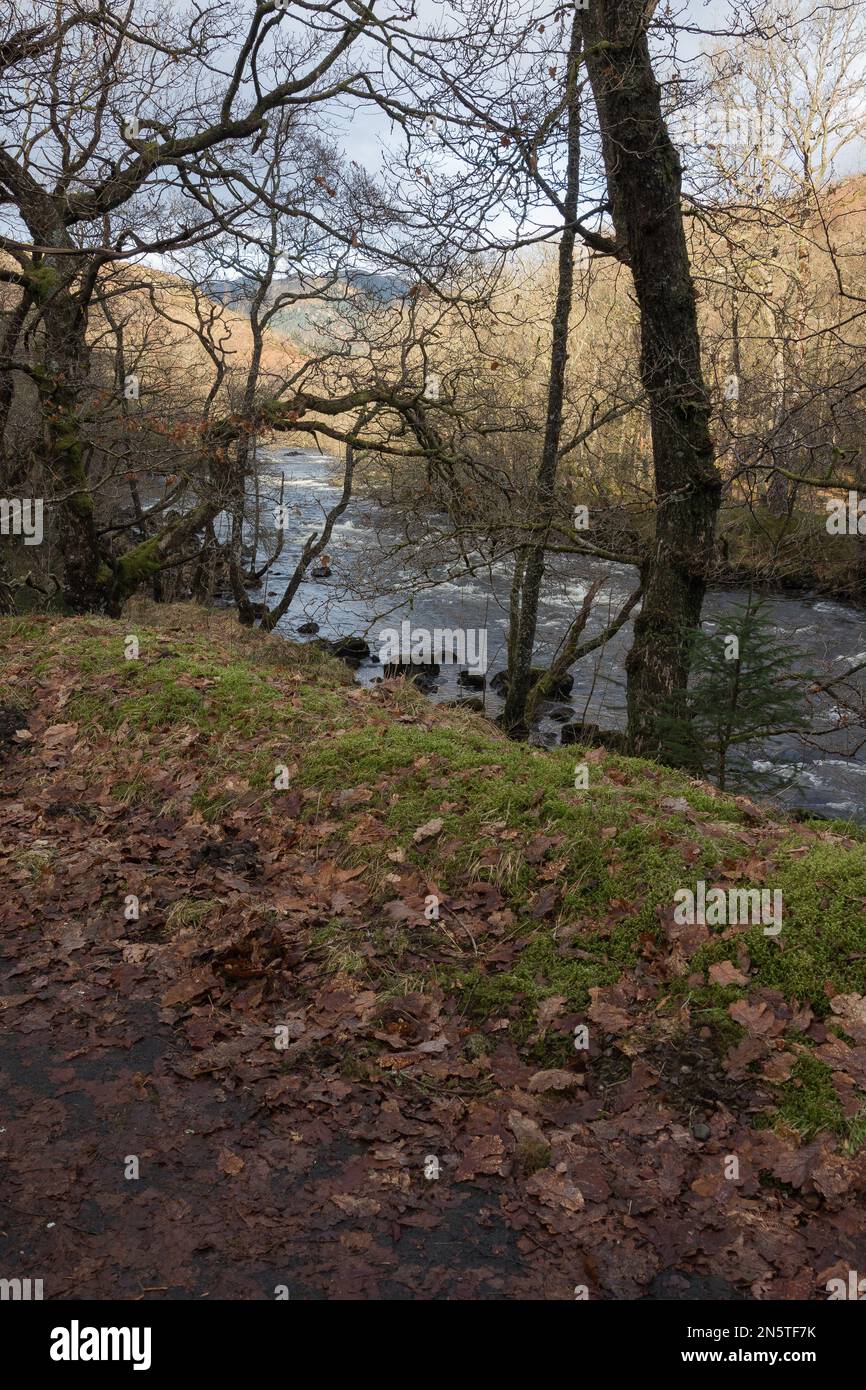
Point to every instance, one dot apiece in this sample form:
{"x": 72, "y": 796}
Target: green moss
{"x": 531, "y": 1156}
{"x": 709, "y": 1013}
{"x": 511, "y": 815}
{"x": 42, "y": 280}
{"x": 476, "y": 786}
{"x": 808, "y": 1102}
{"x": 137, "y": 565}
{"x": 157, "y": 691}
{"x": 821, "y": 944}
{"x": 543, "y": 968}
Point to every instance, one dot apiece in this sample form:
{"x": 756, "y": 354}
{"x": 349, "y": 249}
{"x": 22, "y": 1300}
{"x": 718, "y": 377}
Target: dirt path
{"x": 257, "y": 1171}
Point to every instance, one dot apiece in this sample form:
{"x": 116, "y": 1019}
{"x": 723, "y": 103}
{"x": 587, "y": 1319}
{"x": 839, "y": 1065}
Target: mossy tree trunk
{"x": 644, "y": 181}
{"x": 94, "y": 579}
{"x": 61, "y": 379}
{"x": 84, "y": 570}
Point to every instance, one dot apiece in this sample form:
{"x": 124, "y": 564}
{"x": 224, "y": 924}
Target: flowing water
{"x": 373, "y": 585}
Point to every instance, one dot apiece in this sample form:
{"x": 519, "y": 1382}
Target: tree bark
{"x": 645, "y": 180}
{"x": 524, "y": 620}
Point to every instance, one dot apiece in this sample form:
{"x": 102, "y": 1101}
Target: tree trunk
{"x": 238, "y": 474}
{"x": 524, "y": 621}
{"x": 62, "y": 384}
{"x": 84, "y": 571}
{"x": 644, "y": 180}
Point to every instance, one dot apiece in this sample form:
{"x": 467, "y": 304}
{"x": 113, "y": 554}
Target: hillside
{"x": 328, "y": 1088}
{"x": 164, "y": 322}
{"x": 303, "y": 317}
{"x": 158, "y": 304}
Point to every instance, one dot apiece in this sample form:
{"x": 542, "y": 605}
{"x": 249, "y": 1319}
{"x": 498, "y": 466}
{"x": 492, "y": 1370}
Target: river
{"x": 370, "y": 589}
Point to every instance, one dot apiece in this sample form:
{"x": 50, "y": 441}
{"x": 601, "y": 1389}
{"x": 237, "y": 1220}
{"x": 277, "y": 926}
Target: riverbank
{"x": 791, "y": 554}
{"x": 345, "y": 1016}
